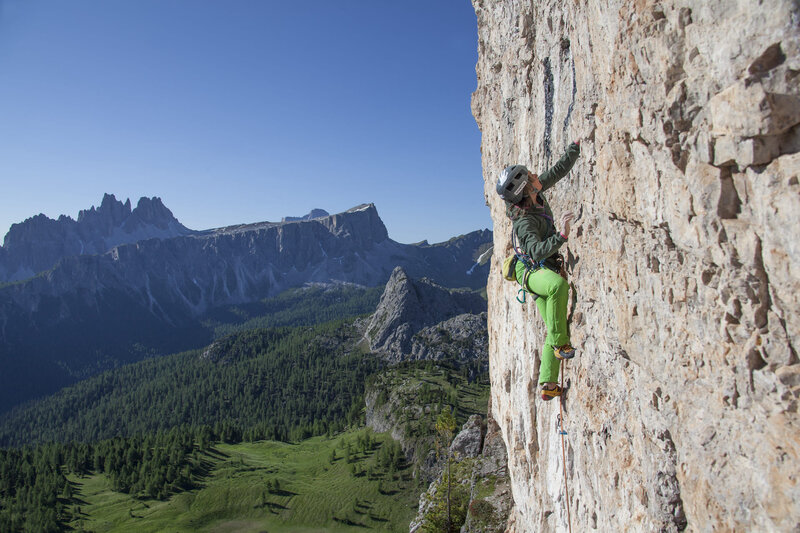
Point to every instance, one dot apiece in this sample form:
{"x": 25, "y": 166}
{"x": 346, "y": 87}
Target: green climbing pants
{"x": 553, "y": 291}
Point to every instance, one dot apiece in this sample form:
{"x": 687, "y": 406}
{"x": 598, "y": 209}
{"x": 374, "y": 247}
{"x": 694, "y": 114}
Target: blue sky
{"x": 243, "y": 111}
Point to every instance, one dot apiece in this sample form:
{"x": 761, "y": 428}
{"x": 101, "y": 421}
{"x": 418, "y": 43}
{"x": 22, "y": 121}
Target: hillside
{"x": 683, "y": 261}
{"x": 187, "y": 480}
{"x": 279, "y": 383}
{"x": 148, "y": 430}
{"x": 406, "y": 400}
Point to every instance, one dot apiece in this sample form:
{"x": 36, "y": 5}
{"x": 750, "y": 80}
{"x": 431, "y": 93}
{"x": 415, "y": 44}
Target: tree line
{"x": 280, "y": 383}
{"x": 36, "y": 496}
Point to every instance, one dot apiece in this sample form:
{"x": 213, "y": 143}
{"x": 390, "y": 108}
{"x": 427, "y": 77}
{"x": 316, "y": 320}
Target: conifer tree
{"x": 445, "y": 429}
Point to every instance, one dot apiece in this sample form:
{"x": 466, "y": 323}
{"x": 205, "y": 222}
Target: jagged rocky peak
{"x": 39, "y": 242}
{"x": 151, "y": 211}
{"x": 408, "y": 306}
{"x": 111, "y": 212}
{"x": 361, "y": 223}
{"x": 34, "y": 227}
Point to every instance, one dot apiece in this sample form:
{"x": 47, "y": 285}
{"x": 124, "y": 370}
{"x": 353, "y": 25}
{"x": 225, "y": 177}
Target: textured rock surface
{"x": 469, "y": 440}
{"x": 684, "y": 261}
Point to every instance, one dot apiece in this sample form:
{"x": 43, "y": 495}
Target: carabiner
{"x": 523, "y": 296}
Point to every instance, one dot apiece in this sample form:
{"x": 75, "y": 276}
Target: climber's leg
{"x": 549, "y": 367}
{"x": 554, "y": 290}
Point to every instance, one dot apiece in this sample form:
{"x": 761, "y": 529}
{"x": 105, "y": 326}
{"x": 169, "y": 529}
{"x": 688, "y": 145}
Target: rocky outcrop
{"x": 490, "y": 495}
{"x": 480, "y": 460}
{"x": 469, "y": 440}
{"x": 461, "y": 339}
{"x": 683, "y": 261}
{"x": 38, "y": 243}
{"x": 419, "y": 319}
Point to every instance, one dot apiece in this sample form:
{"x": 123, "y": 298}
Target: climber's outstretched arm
{"x": 562, "y": 167}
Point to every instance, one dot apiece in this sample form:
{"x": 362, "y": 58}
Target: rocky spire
{"x": 407, "y": 306}
{"x": 39, "y": 242}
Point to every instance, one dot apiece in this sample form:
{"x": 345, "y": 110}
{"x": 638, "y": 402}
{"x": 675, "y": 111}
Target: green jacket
{"x": 535, "y": 228}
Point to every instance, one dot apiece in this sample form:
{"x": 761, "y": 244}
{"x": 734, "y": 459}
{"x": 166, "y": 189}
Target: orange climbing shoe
{"x": 564, "y": 352}
{"x": 549, "y": 394}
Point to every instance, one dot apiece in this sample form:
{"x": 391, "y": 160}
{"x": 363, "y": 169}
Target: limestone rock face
{"x": 684, "y": 260}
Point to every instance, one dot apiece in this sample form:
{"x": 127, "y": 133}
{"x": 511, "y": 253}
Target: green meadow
{"x": 270, "y": 487}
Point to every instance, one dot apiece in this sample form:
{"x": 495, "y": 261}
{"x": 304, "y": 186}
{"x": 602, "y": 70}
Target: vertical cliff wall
{"x": 685, "y": 261}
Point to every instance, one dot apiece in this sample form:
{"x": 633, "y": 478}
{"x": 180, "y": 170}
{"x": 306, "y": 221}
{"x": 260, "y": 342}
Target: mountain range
{"x": 39, "y": 242}
{"x": 145, "y": 284}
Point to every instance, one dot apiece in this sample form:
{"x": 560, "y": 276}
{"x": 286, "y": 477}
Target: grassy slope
{"x": 234, "y": 497}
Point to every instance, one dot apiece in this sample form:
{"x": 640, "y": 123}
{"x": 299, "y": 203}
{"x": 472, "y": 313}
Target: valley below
{"x": 309, "y": 486}
{"x": 285, "y": 418}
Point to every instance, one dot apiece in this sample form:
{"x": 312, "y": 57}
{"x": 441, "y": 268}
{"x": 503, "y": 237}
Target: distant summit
{"x": 39, "y": 242}
{"x": 315, "y": 213}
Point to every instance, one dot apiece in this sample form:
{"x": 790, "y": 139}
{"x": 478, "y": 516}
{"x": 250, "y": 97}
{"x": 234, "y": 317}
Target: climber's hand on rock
{"x": 566, "y": 221}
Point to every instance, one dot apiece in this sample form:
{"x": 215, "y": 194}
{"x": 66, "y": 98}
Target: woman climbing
{"x": 536, "y": 242}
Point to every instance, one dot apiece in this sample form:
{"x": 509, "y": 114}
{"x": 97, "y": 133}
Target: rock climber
{"x": 540, "y": 271}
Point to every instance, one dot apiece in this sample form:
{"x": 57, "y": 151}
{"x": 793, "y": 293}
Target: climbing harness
{"x": 531, "y": 266}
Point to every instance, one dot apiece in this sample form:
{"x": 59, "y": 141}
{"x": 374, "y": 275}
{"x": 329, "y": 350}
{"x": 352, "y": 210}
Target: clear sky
{"x": 243, "y": 110}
